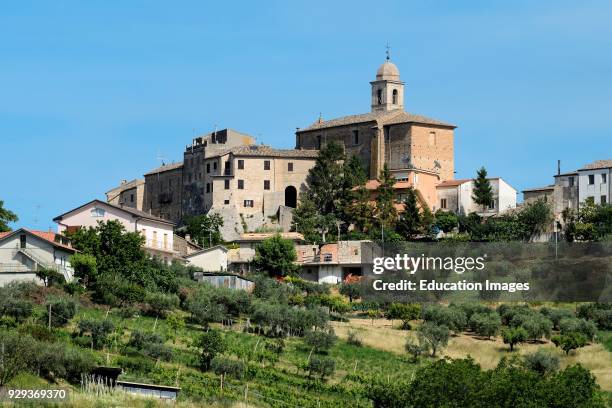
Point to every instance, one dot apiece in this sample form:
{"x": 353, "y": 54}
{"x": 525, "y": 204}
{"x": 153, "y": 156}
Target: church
{"x": 419, "y": 151}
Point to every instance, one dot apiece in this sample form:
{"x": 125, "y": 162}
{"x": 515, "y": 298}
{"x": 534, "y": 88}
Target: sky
{"x": 95, "y": 92}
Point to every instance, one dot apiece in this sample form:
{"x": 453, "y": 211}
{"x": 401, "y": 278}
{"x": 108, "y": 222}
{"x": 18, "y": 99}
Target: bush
{"x": 452, "y": 317}
{"x": 62, "y": 311}
{"x": 37, "y": 331}
{"x": 98, "y": 331}
{"x": 321, "y": 366}
{"x": 354, "y": 339}
{"x": 351, "y": 290}
{"x": 131, "y": 365}
{"x": 19, "y": 309}
{"x": 222, "y": 365}
{"x": 150, "y": 344}
{"x": 160, "y": 304}
{"x": 542, "y": 362}
{"x": 414, "y": 349}
{"x": 320, "y": 341}
{"x": 556, "y": 315}
{"x": 535, "y": 324}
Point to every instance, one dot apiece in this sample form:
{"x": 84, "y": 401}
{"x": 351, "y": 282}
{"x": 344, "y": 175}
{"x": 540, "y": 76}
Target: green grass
{"x": 605, "y": 338}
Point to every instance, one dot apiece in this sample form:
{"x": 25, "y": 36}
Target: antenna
{"x": 160, "y": 157}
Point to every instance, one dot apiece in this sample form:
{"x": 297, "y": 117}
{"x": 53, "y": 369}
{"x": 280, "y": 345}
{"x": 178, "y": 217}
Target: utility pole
{"x": 49, "y": 323}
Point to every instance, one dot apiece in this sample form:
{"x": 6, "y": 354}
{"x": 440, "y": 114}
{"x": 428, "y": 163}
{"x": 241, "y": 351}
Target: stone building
{"x": 163, "y": 192}
{"x": 409, "y": 144}
{"x": 128, "y": 194}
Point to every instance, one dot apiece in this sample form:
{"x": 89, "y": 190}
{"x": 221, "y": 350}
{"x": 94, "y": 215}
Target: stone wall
{"x": 163, "y": 194}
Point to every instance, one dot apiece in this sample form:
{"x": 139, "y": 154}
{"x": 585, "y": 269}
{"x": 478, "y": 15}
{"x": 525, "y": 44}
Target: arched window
{"x": 379, "y": 95}
{"x": 395, "y": 96}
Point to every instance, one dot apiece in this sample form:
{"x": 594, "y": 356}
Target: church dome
{"x": 388, "y": 70}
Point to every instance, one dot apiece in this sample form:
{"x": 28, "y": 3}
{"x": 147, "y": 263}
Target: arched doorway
{"x": 291, "y": 197}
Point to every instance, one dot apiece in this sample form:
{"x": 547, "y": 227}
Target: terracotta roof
{"x": 132, "y": 211}
{"x": 598, "y": 164}
{"x": 373, "y": 185}
{"x": 165, "y": 167}
{"x": 453, "y": 183}
{"x": 383, "y": 117}
{"x": 48, "y": 236}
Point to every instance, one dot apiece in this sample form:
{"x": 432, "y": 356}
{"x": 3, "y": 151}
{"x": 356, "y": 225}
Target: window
{"x": 227, "y": 168}
{"x": 395, "y": 96}
{"x": 131, "y": 198}
{"x": 227, "y": 182}
{"x": 319, "y": 142}
{"x": 226, "y": 202}
{"x": 240, "y": 164}
{"x": 290, "y": 166}
{"x": 240, "y": 184}
{"x": 266, "y": 164}
{"x": 248, "y": 203}
{"x": 214, "y": 165}
{"x": 355, "y": 137}
{"x": 379, "y": 96}
{"x": 207, "y": 167}
{"x": 604, "y": 178}
{"x": 603, "y": 200}
{"x": 266, "y": 184}
{"x": 97, "y": 212}
{"x": 492, "y": 205}
{"x": 571, "y": 181}
{"x": 591, "y": 179}
{"x": 443, "y": 203}
{"x": 22, "y": 241}
{"x": 165, "y": 241}
{"x": 208, "y": 187}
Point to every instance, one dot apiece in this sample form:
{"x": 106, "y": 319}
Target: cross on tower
{"x": 388, "y": 51}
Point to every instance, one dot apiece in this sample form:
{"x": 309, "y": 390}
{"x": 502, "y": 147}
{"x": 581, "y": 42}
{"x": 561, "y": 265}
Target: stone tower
{"x": 387, "y": 89}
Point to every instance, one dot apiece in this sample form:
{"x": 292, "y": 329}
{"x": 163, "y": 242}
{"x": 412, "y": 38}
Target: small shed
{"x": 225, "y": 280}
{"x": 213, "y": 259}
{"x": 153, "y": 390}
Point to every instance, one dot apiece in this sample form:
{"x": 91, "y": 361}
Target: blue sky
{"x": 92, "y": 92}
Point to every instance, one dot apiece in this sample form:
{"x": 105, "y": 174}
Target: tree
{"x": 326, "y": 179}
{"x": 212, "y": 343}
{"x": 16, "y": 353}
{"x": 446, "y": 220}
{"x": 485, "y": 324}
{"x": 160, "y": 303}
{"x": 354, "y": 173}
{"x": 414, "y": 349}
{"x": 513, "y": 336}
{"x": 50, "y": 276}
{"x": 570, "y": 341}
{"x": 351, "y": 290}
{"x": 585, "y": 327}
{"x": 385, "y": 211}
{"x": 276, "y": 256}
{"x": 205, "y": 229}
{"x": 433, "y": 337}
{"x": 320, "y": 341}
{"x": 483, "y": 192}
{"x": 359, "y": 210}
{"x": 98, "y": 330}
{"x": 410, "y": 220}
{"x": 6, "y": 216}
{"x": 223, "y": 366}
{"x": 534, "y": 218}
{"x": 85, "y": 267}
{"x": 322, "y": 366}
{"x": 62, "y": 311}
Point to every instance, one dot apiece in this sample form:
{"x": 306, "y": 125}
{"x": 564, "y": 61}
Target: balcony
{"x": 158, "y": 245}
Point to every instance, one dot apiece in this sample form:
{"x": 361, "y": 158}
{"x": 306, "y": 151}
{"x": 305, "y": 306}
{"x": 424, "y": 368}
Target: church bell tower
{"x": 387, "y": 89}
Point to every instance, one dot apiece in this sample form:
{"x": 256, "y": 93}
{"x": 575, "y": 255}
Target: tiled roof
{"x": 126, "y": 186}
{"x": 130, "y": 210}
{"x": 267, "y": 151}
{"x": 49, "y": 236}
{"x": 453, "y": 183}
{"x": 373, "y": 185}
{"x": 165, "y": 167}
{"x": 598, "y": 164}
{"x": 384, "y": 117}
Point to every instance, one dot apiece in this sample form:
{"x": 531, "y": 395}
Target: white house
{"x": 594, "y": 182}
{"x": 456, "y": 196}
{"x": 158, "y": 233}
{"x": 213, "y": 259}
{"x": 24, "y": 251}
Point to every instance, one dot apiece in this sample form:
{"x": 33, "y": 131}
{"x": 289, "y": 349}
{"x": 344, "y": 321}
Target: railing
{"x": 4, "y": 267}
{"x": 156, "y": 244}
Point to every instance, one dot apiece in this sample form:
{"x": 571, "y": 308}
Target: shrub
{"x": 150, "y": 344}
{"x": 160, "y": 303}
{"x": 603, "y": 319}
{"x": 414, "y": 349}
{"x": 19, "y": 309}
{"x": 452, "y": 317}
{"x": 433, "y": 337}
{"x": 222, "y": 365}
{"x": 354, "y": 339}
{"x": 351, "y": 290}
{"x": 542, "y": 362}
{"x": 321, "y": 366}
{"x": 141, "y": 365}
{"x": 62, "y": 311}
{"x": 535, "y": 324}
{"x": 98, "y": 331}
{"x": 37, "y": 331}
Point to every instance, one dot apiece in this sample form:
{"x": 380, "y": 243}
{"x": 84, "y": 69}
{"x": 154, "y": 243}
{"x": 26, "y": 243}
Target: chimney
{"x": 558, "y": 167}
